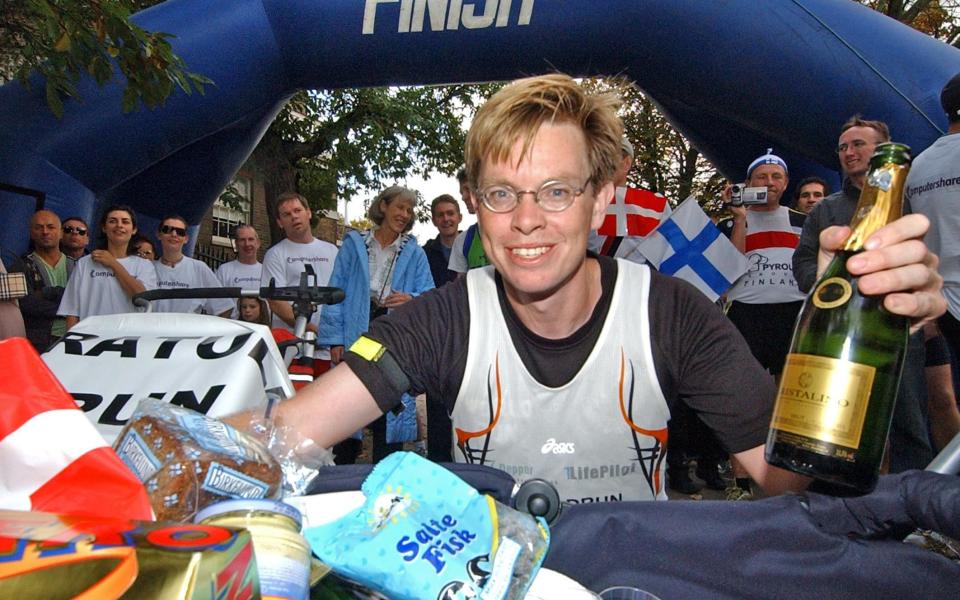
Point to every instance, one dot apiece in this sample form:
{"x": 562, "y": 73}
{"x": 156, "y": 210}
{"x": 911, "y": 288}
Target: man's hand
{"x": 336, "y": 354}
{"x": 897, "y": 263}
{"x": 395, "y": 299}
{"x": 738, "y": 211}
{"x": 738, "y": 235}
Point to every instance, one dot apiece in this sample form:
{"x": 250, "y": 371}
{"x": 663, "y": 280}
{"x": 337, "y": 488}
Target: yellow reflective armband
{"x": 370, "y": 350}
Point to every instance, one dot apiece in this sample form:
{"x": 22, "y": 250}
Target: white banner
{"x": 212, "y": 365}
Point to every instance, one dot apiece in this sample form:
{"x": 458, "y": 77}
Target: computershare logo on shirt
{"x": 417, "y": 15}
{"x": 943, "y": 182}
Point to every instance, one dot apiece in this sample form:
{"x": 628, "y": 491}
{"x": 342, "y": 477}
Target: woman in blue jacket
{"x": 378, "y": 270}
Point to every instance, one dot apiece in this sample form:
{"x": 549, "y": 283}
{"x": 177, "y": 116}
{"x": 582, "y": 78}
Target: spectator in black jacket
{"x": 446, "y": 218}
{"x": 909, "y": 436}
{"x": 47, "y": 270}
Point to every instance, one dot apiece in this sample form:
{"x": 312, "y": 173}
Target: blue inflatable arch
{"x": 735, "y": 76}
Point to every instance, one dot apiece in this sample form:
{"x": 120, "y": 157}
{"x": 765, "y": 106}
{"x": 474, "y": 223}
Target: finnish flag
{"x": 689, "y": 246}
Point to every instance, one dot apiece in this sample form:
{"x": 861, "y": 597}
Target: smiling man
{"x": 858, "y": 139}
{"x": 909, "y": 437}
{"x": 445, "y": 213}
{"x": 245, "y": 270}
{"x": 560, "y": 364}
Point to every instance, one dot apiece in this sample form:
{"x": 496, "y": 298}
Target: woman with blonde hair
{"x": 378, "y": 270}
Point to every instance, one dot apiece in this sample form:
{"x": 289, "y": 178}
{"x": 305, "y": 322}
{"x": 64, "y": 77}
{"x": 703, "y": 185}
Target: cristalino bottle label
{"x": 824, "y": 399}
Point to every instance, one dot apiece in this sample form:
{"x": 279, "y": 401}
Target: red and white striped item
{"x": 51, "y": 456}
{"x": 634, "y": 212}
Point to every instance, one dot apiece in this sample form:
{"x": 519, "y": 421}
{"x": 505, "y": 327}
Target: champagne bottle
{"x": 841, "y": 377}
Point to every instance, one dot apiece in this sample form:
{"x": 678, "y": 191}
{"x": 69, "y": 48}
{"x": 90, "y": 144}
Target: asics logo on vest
{"x": 552, "y": 446}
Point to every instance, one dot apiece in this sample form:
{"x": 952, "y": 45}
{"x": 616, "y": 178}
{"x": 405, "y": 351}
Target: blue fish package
{"x": 424, "y": 533}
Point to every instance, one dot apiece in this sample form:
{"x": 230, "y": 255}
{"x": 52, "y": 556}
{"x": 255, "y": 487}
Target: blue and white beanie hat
{"x": 767, "y": 159}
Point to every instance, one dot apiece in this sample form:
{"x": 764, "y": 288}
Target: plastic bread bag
{"x": 299, "y": 456}
{"x": 422, "y": 532}
{"x": 188, "y": 461}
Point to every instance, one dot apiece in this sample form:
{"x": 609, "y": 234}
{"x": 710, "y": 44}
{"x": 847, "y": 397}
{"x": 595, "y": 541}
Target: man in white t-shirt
{"x": 765, "y": 301}
{"x": 933, "y": 189}
{"x": 174, "y": 270}
{"x": 284, "y": 262}
{"x": 244, "y": 272}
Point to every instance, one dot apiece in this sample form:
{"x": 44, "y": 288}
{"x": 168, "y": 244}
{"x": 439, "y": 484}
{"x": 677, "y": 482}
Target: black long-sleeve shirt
{"x": 835, "y": 209}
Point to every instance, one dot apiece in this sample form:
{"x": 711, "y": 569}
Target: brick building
{"x": 213, "y": 239}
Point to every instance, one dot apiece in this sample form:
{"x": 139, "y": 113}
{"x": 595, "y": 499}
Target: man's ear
{"x": 601, "y": 200}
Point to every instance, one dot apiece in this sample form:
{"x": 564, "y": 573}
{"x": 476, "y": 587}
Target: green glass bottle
{"x": 840, "y": 381}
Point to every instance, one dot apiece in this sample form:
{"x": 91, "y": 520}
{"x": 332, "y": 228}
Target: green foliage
{"x": 232, "y": 197}
{"x": 937, "y": 18}
{"x": 664, "y": 161}
{"x": 64, "y": 40}
{"x": 362, "y": 224}
{"x": 339, "y": 142}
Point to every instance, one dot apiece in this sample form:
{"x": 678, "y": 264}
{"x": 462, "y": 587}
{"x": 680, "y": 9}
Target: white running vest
{"x": 600, "y": 437}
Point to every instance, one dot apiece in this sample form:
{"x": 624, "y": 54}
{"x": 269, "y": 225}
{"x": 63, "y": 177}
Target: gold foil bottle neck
{"x": 881, "y": 202}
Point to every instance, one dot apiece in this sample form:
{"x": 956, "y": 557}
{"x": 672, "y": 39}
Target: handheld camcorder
{"x": 741, "y": 195}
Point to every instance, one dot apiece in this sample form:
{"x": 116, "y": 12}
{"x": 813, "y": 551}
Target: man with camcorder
{"x": 765, "y": 301}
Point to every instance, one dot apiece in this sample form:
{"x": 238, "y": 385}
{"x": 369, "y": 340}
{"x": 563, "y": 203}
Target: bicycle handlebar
{"x": 313, "y": 294}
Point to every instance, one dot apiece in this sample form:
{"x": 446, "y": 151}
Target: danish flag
{"x": 634, "y": 212}
{"x": 51, "y": 456}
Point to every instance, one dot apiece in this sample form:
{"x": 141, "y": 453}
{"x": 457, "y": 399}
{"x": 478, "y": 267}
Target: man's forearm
{"x": 284, "y": 310}
{"x": 327, "y": 411}
{"x": 738, "y": 236}
{"x": 773, "y": 480}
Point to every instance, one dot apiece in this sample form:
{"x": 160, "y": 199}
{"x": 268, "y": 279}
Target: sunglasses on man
{"x": 168, "y": 229}
{"x": 76, "y": 230}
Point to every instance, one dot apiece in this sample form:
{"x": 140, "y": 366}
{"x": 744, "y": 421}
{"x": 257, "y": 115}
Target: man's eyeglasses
{"x": 168, "y": 229}
{"x": 552, "y": 196}
{"x": 76, "y": 230}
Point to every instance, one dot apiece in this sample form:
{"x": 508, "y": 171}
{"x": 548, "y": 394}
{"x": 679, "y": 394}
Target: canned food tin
{"x": 283, "y": 556}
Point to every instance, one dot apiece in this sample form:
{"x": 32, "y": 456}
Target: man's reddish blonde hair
{"x": 517, "y": 111}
